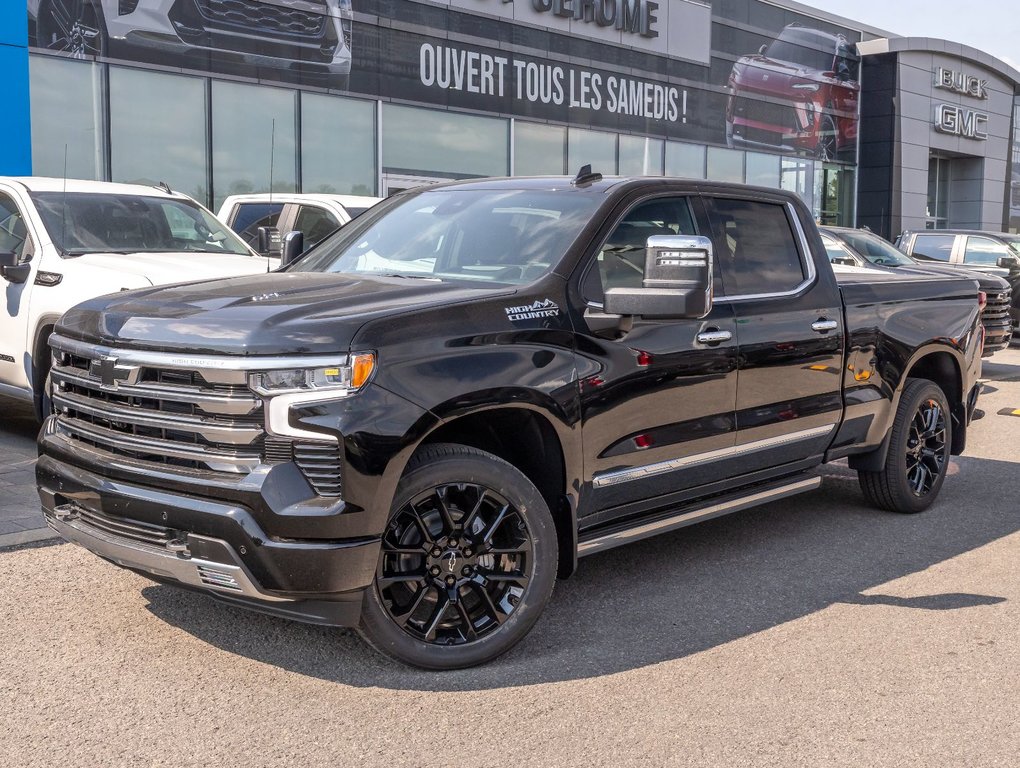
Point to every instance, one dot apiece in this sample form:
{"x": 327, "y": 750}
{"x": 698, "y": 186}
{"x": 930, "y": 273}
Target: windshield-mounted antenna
{"x": 585, "y": 177}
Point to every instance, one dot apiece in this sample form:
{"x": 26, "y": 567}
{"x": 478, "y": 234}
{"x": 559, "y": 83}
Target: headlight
{"x": 348, "y": 376}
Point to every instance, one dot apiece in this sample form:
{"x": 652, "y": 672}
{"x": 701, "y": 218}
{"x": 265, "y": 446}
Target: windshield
{"x": 1013, "y": 243}
{"x": 876, "y": 250}
{"x": 504, "y": 236}
{"x": 805, "y": 50}
{"x": 87, "y": 222}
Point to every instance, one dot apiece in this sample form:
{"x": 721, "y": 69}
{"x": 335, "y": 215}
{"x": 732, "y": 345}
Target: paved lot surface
{"x": 20, "y": 519}
{"x": 811, "y": 632}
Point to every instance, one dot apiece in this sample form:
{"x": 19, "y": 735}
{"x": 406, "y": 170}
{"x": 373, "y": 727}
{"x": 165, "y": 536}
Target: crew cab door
{"x": 14, "y": 237}
{"x": 790, "y": 332}
{"x": 657, "y": 396}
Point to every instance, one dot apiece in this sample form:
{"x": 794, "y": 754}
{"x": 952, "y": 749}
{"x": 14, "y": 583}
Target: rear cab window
{"x": 933, "y": 247}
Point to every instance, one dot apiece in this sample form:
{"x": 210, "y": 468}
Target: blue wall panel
{"x": 16, "y": 126}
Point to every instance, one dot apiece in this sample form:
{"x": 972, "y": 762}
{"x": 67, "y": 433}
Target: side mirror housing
{"x": 269, "y": 241}
{"x": 11, "y": 270}
{"x": 677, "y": 281}
{"x": 761, "y": 51}
{"x": 1008, "y": 262}
{"x": 293, "y": 247}
{"x": 845, "y": 261}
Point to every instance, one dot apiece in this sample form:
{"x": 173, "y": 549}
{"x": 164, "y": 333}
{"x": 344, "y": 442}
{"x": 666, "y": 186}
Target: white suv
{"x": 65, "y": 241}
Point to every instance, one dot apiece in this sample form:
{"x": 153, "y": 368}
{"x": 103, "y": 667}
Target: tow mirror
{"x": 1008, "y": 262}
{"x": 269, "y": 241}
{"x": 293, "y": 247}
{"x": 677, "y": 281}
{"x": 11, "y": 270}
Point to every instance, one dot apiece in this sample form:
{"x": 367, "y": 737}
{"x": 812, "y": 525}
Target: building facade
{"x": 219, "y": 97}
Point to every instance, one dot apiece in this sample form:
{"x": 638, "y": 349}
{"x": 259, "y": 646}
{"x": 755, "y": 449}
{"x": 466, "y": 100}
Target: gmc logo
{"x": 957, "y": 121}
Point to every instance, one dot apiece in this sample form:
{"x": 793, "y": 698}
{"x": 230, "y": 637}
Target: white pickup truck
{"x": 65, "y": 241}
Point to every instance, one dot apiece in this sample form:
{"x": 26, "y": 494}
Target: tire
{"x": 918, "y": 457}
{"x": 75, "y": 27}
{"x": 827, "y": 147}
{"x": 468, "y": 561}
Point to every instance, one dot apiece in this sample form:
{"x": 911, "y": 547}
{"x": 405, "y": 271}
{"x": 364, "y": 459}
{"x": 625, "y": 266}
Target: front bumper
{"x": 215, "y": 547}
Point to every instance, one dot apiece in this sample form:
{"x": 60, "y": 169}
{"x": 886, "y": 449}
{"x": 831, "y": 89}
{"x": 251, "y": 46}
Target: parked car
{"x": 996, "y": 253}
{"x": 64, "y": 241}
{"x": 283, "y": 33}
{"x": 314, "y": 215}
{"x": 799, "y": 93}
{"x": 859, "y": 247}
{"x": 417, "y": 426}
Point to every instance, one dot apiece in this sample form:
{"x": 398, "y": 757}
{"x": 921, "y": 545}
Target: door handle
{"x": 714, "y": 337}
{"x": 824, "y": 326}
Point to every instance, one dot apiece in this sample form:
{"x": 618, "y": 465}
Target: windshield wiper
{"x": 407, "y": 277}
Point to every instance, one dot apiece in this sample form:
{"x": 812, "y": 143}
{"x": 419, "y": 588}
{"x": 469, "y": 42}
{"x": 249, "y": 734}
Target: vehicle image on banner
{"x": 312, "y": 34}
{"x": 799, "y": 93}
{"x": 421, "y": 423}
{"x": 315, "y": 215}
{"x": 64, "y": 241}
{"x": 861, "y": 248}
{"x": 996, "y": 253}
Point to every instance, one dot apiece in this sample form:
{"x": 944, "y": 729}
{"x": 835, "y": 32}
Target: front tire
{"x": 918, "y": 457}
{"x": 74, "y": 27}
{"x": 468, "y": 561}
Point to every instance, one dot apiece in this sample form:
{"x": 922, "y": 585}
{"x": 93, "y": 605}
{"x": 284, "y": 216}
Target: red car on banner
{"x": 799, "y": 94}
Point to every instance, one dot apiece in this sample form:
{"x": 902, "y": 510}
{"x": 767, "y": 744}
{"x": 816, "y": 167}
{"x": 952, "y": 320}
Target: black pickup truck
{"x": 417, "y": 426}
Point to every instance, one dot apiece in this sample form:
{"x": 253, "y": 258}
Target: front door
{"x": 789, "y": 321}
{"x": 15, "y": 362}
{"x": 657, "y": 398}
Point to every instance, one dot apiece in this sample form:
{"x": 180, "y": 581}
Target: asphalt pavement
{"x": 20, "y": 518}
{"x": 814, "y": 631}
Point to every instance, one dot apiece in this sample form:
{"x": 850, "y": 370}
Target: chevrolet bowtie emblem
{"x": 110, "y": 374}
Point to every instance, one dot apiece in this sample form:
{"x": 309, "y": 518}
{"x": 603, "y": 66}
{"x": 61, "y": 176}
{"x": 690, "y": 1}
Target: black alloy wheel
{"x": 72, "y": 26}
{"x": 926, "y": 447}
{"x": 467, "y": 562}
{"x": 827, "y": 144}
{"x": 918, "y": 457}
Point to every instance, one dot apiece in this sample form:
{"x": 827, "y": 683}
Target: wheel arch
{"x": 41, "y": 357}
{"x": 528, "y": 439}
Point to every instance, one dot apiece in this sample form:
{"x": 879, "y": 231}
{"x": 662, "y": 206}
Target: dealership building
{"x": 219, "y": 97}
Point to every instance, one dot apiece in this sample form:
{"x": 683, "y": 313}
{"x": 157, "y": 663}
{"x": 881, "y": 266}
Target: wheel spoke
{"x": 465, "y": 619}
{"x": 421, "y": 526}
{"x": 402, "y": 578}
{"x": 500, "y": 517}
{"x": 409, "y": 551}
{"x": 490, "y": 607}
{"x": 523, "y": 548}
{"x": 402, "y": 618}
{"x": 62, "y": 16}
{"x": 444, "y": 512}
{"x": 432, "y": 625}
{"x": 466, "y": 524}
{"x": 511, "y": 578}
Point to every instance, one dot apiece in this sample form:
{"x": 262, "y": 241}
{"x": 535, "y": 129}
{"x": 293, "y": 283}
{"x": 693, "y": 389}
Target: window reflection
{"x": 640, "y": 156}
{"x": 432, "y": 142}
{"x": 685, "y": 160}
{"x": 591, "y": 148}
{"x": 539, "y": 150}
{"x": 66, "y": 99}
{"x": 338, "y": 154}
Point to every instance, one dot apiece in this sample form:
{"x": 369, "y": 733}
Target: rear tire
{"x": 918, "y": 457}
{"x": 468, "y": 561}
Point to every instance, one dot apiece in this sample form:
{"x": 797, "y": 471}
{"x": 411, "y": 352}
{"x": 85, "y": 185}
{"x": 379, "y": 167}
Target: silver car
{"x": 312, "y": 34}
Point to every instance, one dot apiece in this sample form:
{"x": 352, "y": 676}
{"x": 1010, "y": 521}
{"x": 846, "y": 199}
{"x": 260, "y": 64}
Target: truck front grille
{"x": 997, "y": 308}
{"x": 320, "y": 463}
{"x": 179, "y": 416}
{"x": 265, "y": 17}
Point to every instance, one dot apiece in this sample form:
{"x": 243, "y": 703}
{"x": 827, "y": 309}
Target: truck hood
{"x": 164, "y": 268}
{"x": 273, "y": 314}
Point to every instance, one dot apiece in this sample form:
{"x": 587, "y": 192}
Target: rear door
{"x": 315, "y": 222}
{"x": 789, "y": 329}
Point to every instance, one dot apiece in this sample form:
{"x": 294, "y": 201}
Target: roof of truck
{"x": 49, "y": 184}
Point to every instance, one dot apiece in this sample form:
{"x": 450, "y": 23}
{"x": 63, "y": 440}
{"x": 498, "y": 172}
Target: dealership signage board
{"x": 638, "y": 66}
{"x": 956, "y": 120}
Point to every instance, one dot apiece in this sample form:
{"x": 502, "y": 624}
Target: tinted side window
{"x": 251, "y": 216}
{"x": 984, "y": 250}
{"x": 13, "y": 232}
{"x": 755, "y": 247}
{"x": 837, "y": 253}
{"x": 621, "y": 260}
{"x": 316, "y": 223}
{"x": 934, "y": 247}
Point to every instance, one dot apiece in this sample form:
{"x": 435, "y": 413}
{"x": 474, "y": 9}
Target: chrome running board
{"x": 644, "y": 530}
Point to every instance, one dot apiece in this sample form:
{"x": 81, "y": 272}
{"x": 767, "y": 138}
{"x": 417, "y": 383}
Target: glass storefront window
{"x": 834, "y": 196}
{"x": 798, "y": 177}
{"x": 437, "y": 143}
{"x": 685, "y": 160}
{"x": 938, "y": 193}
{"x": 725, "y": 165}
{"x": 640, "y": 156}
{"x": 138, "y": 102}
{"x": 539, "y": 150}
{"x": 591, "y": 148}
{"x": 338, "y": 148}
{"x": 253, "y": 139}
{"x": 66, "y": 114}
{"x": 763, "y": 169}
